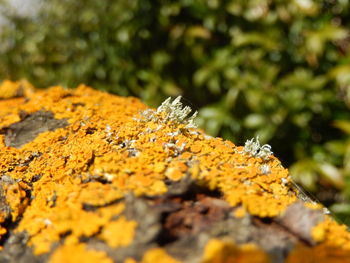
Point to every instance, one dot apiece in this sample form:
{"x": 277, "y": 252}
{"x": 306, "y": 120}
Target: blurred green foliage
{"x": 279, "y": 69}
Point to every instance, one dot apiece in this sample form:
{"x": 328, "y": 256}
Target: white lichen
{"x": 194, "y": 133}
{"x": 284, "y": 181}
{"x": 174, "y": 134}
{"x": 265, "y": 168}
{"x": 326, "y": 211}
{"x": 253, "y": 148}
{"x": 265, "y": 152}
{"x": 171, "y": 111}
{"x": 147, "y": 115}
{"x": 109, "y": 177}
{"x": 175, "y": 148}
{"x": 208, "y": 137}
{"x": 47, "y": 222}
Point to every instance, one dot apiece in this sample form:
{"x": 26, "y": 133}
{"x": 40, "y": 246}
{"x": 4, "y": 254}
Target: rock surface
{"x": 87, "y": 177}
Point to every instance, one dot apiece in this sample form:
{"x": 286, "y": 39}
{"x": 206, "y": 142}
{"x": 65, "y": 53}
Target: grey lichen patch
{"x": 254, "y": 148}
{"x": 171, "y": 111}
{"x": 265, "y": 169}
{"x": 30, "y": 126}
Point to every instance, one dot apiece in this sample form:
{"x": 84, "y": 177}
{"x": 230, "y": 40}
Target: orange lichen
{"x": 3, "y": 230}
{"x": 313, "y": 205}
{"x": 76, "y": 176}
{"x": 330, "y": 233}
{"x": 62, "y": 211}
{"x": 9, "y": 89}
{"x": 16, "y": 198}
{"x": 321, "y": 254}
{"x": 219, "y": 251}
{"x": 239, "y": 212}
{"x": 130, "y": 260}
{"x": 158, "y": 255}
{"x": 173, "y": 173}
{"x": 78, "y": 253}
{"x": 118, "y": 233}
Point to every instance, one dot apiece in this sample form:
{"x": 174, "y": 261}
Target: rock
{"x": 87, "y": 176}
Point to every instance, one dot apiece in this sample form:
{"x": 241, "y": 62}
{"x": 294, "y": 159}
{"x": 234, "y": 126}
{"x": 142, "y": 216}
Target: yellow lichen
{"x": 330, "y": 233}
{"x": 77, "y": 176}
{"x": 9, "y": 89}
{"x": 3, "y": 230}
{"x": 16, "y": 198}
{"x": 119, "y": 233}
{"x": 130, "y": 260}
{"x": 239, "y": 212}
{"x": 78, "y": 253}
{"x": 313, "y": 205}
{"x": 158, "y": 255}
{"x": 219, "y": 251}
{"x": 321, "y": 254}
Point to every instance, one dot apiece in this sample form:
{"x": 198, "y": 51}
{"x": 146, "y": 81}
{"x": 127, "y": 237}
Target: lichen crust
{"x": 71, "y": 183}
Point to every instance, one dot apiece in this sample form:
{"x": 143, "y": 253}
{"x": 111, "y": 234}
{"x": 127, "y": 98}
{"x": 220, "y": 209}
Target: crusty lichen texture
{"x": 69, "y": 183}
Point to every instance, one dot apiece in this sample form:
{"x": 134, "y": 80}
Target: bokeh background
{"x": 279, "y": 69}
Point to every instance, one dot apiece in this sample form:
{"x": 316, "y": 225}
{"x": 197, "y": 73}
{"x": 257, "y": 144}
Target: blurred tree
{"x": 274, "y": 68}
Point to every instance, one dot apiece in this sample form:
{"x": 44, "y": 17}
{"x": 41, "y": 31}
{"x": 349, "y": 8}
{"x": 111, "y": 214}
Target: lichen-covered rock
{"x": 91, "y": 177}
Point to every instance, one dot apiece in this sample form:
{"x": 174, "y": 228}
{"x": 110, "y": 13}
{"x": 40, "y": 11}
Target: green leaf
{"x": 254, "y": 120}
{"x": 332, "y": 174}
{"x": 343, "y": 125}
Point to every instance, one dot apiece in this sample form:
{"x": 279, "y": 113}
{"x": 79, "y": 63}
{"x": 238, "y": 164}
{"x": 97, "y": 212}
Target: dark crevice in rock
{"x": 91, "y": 160}
{"x": 65, "y": 234}
{"x": 189, "y": 215}
{"x": 90, "y": 130}
{"x": 30, "y": 126}
{"x": 96, "y": 178}
{"x": 91, "y": 208}
{"x": 75, "y": 105}
{"x": 36, "y": 178}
